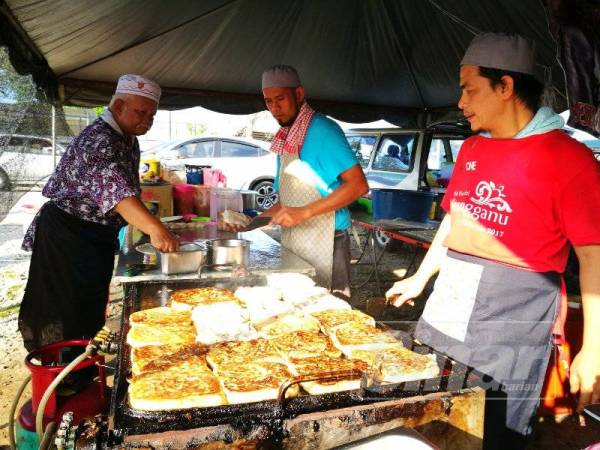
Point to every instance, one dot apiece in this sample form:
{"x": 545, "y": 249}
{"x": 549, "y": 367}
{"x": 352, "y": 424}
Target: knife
{"x": 257, "y": 222}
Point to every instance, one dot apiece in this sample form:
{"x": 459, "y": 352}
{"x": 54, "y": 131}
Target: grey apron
{"x": 312, "y": 240}
{"x": 499, "y": 320}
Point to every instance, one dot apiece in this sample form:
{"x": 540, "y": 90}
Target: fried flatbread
{"x": 159, "y": 357}
{"x": 305, "y": 344}
{"x": 187, "y": 384}
{"x": 332, "y": 318}
{"x": 288, "y": 324}
{"x": 189, "y": 298}
{"x": 398, "y": 364}
{"x": 254, "y": 381}
{"x": 321, "y": 367}
{"x": 240, "y": 352}
{"x": 144, "y": 335}
{"x": 361, "y": 336}
{"x": 160, "y": 316}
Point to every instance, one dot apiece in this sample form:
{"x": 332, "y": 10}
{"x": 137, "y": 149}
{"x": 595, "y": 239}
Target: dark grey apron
{"x": 499, "y": 320}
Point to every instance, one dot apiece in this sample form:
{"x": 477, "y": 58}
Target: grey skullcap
{"x": 501, "y": 51}
{"x": 280, "y": 76}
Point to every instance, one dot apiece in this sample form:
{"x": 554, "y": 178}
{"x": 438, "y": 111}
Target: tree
{"x": 14, "y": 87}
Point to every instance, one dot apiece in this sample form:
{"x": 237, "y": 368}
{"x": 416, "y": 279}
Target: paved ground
{"x": 13, "y": 274}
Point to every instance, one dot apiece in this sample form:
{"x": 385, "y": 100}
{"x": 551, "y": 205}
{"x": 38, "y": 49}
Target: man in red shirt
{"x": 521, "y": 194}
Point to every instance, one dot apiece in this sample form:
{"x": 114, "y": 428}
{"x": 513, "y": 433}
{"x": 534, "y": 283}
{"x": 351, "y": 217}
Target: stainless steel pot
{"x": 228, "y": 252}
{"x": 188, "y": 259}
{"x": 249, "y": 199}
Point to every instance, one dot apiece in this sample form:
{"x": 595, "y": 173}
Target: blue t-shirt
{"x": 327, "y": 152}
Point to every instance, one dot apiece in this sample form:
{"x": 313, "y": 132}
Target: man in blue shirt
{"x": 318, "y": 175}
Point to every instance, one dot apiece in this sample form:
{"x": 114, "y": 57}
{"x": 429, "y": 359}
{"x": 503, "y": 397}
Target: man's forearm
{"x": 272, "y": 210}
{"x": 135, "y": 213}
{"x": 432, "y": 260}
{"x": 589, "y": 282}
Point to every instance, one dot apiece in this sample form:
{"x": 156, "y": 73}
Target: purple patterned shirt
{"x": 98, "y": 170}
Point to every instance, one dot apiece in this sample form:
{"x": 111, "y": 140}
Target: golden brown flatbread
{"x": 360, "y": 336}
{"x": 187, "y": 384}
{"x": 305, "y": 344}
{"x": 144, "y": 335}
{"x": 239, "y": 352}
{"x": 332, "y": 318}
{"x": 160, "y": 316}
{"x": 322, "y": 366}
{"x": 398, "y": 364}
{"x": 160, "y": 357}
{"x": 254, "y": 381}
{"x": 189, "y": 298}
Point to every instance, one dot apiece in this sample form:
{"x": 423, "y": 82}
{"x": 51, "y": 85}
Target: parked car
{"x": 26, "y": 159}
{"x": 408, "y": 158}
{"x": 246, "y": 163}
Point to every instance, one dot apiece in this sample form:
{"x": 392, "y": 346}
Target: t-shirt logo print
{"x": 491, "y": 195}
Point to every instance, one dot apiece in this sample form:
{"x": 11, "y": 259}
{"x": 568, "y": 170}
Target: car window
{"x": 443, "y": 151}
{"x": 181, "y": 151}
{"x": 203, "y": 149}
{"x": 363, "y": 147}
{"x": 395, "y": 153}
{"x": 236, "y": 149}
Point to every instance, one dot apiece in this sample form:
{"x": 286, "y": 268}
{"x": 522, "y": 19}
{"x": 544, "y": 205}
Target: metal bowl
{"x": 188, "y": 259}
{"x": 222, "y": 252}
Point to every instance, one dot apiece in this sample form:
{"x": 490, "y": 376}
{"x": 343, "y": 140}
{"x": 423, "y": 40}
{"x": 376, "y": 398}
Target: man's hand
{"x": 585, "y": 370}
{"x": 405, "y": 290}
{"x": 288, "y": 217}
{"x": 585, "y": 378}
{"x": 163, "y": 240}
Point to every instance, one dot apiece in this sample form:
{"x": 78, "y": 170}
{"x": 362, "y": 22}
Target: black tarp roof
{"x": 360, "y": 60}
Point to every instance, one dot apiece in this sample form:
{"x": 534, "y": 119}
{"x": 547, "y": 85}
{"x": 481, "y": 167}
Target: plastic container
{"x": 214, "y": 178}
{"x": 222, "y": 199}
{"x": 183, "y": 199}
{"x": 149, "y": 170}
{"x": 202, "y": 201}
{"x": 194, "y": 173}
{"x": 398, "y": 203}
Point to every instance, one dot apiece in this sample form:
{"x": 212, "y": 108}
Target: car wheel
{"x": 384, "y": 241}
{"x": 266, "y": 195}
{"x": 4, "y": 181}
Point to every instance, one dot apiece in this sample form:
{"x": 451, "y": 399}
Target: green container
{"x": 25, "y": 439}
{"x": 366, "y": 203}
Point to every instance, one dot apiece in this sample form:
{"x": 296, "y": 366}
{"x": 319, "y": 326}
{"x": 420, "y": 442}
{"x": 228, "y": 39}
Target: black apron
{"x": 497, "y": 319}
{"x": 69, "y": 277}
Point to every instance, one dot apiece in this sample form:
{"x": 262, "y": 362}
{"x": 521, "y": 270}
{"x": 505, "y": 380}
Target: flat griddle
{"x": 272, "y": 413}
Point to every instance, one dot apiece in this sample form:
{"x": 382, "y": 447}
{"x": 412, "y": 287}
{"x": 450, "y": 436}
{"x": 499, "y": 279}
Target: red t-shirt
{"x": 521, "y": 201}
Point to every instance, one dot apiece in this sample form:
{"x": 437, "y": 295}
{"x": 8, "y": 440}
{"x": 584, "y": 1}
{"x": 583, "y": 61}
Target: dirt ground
{"x": 549, "y": 434}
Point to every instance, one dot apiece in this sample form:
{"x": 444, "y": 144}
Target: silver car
{"x": 247, "y": 163}
{"x": 26, "y": 159}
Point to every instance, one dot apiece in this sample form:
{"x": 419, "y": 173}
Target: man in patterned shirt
{"x": 94, "y": 191}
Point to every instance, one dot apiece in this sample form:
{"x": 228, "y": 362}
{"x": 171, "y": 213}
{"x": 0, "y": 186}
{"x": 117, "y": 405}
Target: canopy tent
{"x": 360, "y": 60}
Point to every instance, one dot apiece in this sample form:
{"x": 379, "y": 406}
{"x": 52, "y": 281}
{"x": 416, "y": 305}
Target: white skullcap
{"x": 280, "y": 76}
{"x": 501, "y": 51}
{"x": 138, "y": 85}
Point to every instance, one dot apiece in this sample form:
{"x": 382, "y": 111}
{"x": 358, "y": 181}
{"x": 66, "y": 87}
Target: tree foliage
{"x": 14, "y": 87}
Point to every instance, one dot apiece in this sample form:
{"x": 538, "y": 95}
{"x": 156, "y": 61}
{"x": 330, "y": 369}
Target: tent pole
{"x": 53, "y": 137}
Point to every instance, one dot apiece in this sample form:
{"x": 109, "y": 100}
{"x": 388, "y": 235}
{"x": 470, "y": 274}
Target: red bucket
{"x": 52, "y": 360}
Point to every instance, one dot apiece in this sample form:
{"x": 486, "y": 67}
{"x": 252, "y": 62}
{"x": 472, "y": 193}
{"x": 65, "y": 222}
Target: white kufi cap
{"x": 138, "y": 85}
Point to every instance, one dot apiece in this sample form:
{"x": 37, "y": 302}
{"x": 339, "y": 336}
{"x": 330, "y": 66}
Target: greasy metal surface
{"x": 333, "y": 375}
{"x": 458, "y": 414}
{"x": 266, "y": 256}
{"x": 247, "y": 417}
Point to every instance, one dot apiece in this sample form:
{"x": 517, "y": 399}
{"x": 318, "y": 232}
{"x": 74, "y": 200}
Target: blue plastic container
{"x": 399, "y": 203}
{"x": 194, "y": 174}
